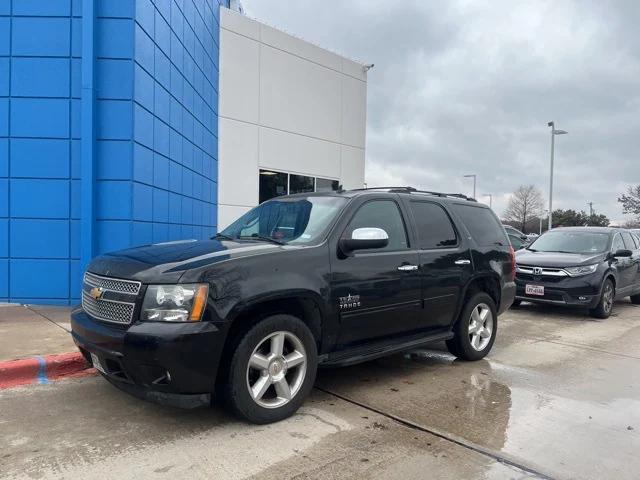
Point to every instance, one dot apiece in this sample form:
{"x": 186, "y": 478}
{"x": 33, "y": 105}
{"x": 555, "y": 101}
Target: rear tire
{"x": 476, "y": 328}
{"x": 605, "y": 305}
{"x": 635, "y": 299}
{"x": 272, "y": 370}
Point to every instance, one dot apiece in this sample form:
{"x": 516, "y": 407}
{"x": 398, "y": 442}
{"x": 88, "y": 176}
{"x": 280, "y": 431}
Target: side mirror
{"x": 623, "y": 252}
{"x": 364, "y": 238}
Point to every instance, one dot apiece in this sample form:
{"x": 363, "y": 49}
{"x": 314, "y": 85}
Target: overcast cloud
{"x": 468, "y": 87}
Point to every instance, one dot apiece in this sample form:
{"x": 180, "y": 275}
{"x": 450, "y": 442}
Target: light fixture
{"x": 267, "y": 172}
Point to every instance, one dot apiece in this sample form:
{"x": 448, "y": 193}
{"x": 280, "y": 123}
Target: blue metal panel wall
{"x": 39, "y": 120}
{"x": 150, "y": 174}
{"x": 175, "y": 127}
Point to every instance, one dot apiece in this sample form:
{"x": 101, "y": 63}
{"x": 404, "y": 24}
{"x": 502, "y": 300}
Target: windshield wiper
{"x": 223, "y": 236}
{"x": 530, "y": 249}
{"x": 256, "y": 236}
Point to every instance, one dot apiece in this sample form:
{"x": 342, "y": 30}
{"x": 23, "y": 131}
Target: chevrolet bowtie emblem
{"x": 96, "y": 293}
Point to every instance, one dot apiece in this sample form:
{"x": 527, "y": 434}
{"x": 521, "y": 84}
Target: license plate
{"x": 96, "y": 363}
{"x": 534, "y": 290}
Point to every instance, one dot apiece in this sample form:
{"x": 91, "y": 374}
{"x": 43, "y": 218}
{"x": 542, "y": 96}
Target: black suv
{"x": 581, "y": 266}
{"x": 298, "y": 282}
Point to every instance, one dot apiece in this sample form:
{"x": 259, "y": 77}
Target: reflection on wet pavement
{"x": 554, "y": 394}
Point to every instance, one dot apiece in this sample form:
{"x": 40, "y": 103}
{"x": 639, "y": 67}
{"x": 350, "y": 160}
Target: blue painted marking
{"x": 42, "y": 371}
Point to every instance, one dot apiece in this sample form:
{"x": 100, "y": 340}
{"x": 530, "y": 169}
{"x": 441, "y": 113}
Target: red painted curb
{"x": 43, "y": 369}
{"x": 18, "y": 372}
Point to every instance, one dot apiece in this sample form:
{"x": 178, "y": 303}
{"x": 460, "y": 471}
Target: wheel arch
{"x": 305, "y": 305}
{"x": 488, "y": 283}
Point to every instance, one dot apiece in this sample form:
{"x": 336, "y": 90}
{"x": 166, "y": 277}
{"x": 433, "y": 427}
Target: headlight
{"x": 584, "y": 270}
{"x": 174, "y": 303}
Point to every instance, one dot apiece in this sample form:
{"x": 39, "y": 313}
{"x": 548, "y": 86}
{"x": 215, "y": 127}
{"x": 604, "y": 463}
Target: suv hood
{"x": 166, "y": 262}
{"x": 557, "y": 259}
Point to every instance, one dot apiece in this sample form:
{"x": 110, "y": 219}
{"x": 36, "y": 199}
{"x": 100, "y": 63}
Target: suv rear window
{"x": 482, "y": 225}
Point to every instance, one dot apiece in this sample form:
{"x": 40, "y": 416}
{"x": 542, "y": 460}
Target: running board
{"x": 353, "y": 356}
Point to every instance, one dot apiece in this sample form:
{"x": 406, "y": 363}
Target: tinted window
{"x": 434, "y": 226}
{"x": 300, "y": 184}
{"x": 618, "y": 244}
{"x": 326, "y": 185}
{"x": 382, "y": 214}
{"x": 272, "y": 184}
{"x": 482, "y": 224}
{"x": 628, "y": 241}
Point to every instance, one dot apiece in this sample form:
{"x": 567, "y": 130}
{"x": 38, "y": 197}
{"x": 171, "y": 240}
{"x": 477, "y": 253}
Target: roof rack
{"x": 415, "y": 190}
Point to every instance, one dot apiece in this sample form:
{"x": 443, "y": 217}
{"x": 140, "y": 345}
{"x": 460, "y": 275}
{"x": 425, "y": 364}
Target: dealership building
{"x": 131, "y": 122}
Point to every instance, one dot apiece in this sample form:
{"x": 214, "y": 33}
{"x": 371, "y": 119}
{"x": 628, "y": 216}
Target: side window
{"x": 382, "y": 214}
{"x": 434, "y": 226}
{"x": 628, "y": 241}
{"x": 618, "y": 244}
{"x": 516, "y": 242}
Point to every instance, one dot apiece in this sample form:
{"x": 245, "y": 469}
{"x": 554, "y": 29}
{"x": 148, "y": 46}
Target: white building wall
{"x": 285, "y": 105}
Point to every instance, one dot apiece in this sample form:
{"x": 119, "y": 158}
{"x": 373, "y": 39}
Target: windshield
{"x": 571, "y": 242}
{"x": 299, "y": 220}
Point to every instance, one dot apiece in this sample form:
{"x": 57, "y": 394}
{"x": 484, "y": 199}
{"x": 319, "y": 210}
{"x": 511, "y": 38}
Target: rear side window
{"x": 482, "y": 224}
{"x": 433, "y": 226}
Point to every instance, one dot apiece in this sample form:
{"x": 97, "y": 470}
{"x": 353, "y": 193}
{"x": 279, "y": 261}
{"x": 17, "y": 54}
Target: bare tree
{"x": 631, "y": 201}
{"x": 525, "y": 203}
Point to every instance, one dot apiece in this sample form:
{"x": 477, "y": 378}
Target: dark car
{"x": 300, "y": 281}
{"x": 581, "y": 266}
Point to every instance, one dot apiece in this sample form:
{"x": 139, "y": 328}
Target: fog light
{"x": 582, "y": 298}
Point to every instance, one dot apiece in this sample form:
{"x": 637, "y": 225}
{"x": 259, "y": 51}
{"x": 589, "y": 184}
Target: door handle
{"x": 463, "y": 261}
{"x": 407, "y": 268}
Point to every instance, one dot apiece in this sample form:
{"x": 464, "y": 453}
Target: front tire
{"x": 605, "y": 305}
{"x": 476, "y": 328}
{"x": 272, "y": 370}
{"x": 635, "y": 299}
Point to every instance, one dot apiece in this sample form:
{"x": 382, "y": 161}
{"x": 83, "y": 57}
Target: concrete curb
{"x": 45, "y": 369}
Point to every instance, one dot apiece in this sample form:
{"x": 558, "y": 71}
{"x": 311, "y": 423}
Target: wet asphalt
{"x": 558, "y": 397}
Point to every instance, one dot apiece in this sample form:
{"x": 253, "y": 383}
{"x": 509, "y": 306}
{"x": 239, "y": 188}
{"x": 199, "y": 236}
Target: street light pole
{"x": 474, "y": 183}
{"x": 490, "y": 199}
{"x": 554, "y": 132}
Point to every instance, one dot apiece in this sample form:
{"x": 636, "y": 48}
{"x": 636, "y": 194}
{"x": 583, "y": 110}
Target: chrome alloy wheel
{"x": 276, "y": 369}
{"x": 480, "y": 327}
{"x": 607, "y": 297}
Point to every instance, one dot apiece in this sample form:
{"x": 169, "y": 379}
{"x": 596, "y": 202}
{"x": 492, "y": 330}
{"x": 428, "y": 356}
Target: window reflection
{"x": 275, "y": 184}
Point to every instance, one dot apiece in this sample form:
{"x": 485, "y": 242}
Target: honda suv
{"x": 581, "y": 266}
{"x": 298, "y": 282}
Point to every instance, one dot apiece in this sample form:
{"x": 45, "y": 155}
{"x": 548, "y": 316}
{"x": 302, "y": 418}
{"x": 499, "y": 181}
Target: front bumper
{"x": 575, "y": 291}
{"x": 168, "y": 358}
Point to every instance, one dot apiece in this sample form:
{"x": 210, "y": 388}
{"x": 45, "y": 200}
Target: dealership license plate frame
{"x": 535, "y": 290}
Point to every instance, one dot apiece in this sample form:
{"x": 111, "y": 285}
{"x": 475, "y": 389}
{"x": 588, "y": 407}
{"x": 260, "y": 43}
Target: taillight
{"x": 512, "y": 260}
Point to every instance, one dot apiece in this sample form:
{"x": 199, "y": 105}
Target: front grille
{"x": 112, "y": 284}
{"x": 541, "y": 271}
{"x": 117, "y": 302}
{"x": 108, "y": 310}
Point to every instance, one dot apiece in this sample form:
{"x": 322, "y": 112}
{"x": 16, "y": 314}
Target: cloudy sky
{"x": 463, "y": 86}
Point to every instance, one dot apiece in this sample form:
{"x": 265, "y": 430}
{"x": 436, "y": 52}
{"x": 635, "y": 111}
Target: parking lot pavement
{"x": 559, "y": 394}
{"x": 558, "y": 397}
